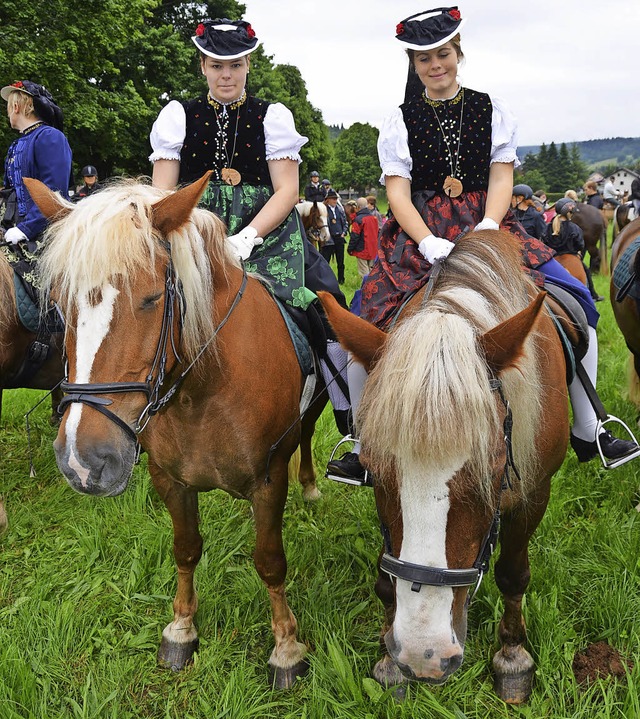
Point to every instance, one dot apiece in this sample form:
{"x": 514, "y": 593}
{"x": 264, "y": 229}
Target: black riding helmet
{"x": 89, "y": 171}
{"x": 523, "y": 190}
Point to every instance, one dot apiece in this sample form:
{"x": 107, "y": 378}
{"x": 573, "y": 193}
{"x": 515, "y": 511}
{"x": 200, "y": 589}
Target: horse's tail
{"x": 428, "y": 399}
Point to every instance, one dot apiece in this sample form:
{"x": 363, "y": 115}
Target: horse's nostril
{"x": 450, "y": 664}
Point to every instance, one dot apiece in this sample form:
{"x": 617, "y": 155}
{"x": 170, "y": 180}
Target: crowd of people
{"x": 447, "y": 155}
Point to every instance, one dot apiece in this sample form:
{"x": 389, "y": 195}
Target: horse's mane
{"x": 428, "y": 401}
{"x": 109, "y": 238}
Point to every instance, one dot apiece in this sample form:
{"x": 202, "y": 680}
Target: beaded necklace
{"x": 222, "y": 157}
{"x": 452, "y": 185}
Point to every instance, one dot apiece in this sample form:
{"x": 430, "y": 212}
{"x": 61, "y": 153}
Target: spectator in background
{"x": 337, "y": 221}
{"x": 314, "y": 192}
{"x": 592, "y": 195}
{"x": 91, "y": 184}
{"x": 372, "y": 204}
{"x": 609, "y": 193}
{"x": 363, "y": 243}
{"x": 524, "y": 211}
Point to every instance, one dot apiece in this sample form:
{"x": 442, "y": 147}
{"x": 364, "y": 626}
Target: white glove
{"x": 244, "y": 241}
{"x": 487, "y": 224}
{"x": 434, "y": 248}
{"x": 13, "y": 235}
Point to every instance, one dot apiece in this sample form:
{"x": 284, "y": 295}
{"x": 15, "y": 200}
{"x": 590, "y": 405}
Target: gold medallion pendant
{"x": 231, "y": 176}
{"x": 452, "y": 186}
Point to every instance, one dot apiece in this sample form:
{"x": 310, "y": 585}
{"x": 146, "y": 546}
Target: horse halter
{"x": 420, "y": 574}
{"x": 87, "y": 393}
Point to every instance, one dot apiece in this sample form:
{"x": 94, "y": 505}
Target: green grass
{"x": 86, "y": 587}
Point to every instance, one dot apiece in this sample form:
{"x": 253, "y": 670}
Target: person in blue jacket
{"x": 40, "y": 152}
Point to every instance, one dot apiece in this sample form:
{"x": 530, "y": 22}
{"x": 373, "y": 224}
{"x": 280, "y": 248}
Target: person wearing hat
{"x": 314, "y": 191}
{"x": 566, "y": 238}
{"x": 253, "y": 148}
{"x": 90, "y": 183}
{"x": 447, "y": 156}
{"x": 525, "y": 212}
{"x": 337, "y": 221}
{"x": 41, "y": 152}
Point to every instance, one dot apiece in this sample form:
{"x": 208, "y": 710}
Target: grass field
{"x": 86, "y": 587}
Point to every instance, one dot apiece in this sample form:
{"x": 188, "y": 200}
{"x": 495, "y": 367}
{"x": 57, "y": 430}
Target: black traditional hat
{"x": 43, "y": 103}
{"x": 332, "y": 194}
{"x": 225, "y": 39}
{"x": 430, "y": 28}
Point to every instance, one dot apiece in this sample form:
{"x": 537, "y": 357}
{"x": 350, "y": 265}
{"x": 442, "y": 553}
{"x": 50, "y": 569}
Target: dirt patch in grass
{"x": 598, "y": 661}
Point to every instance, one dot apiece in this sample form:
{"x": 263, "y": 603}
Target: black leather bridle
{"x": 419, "y": 574}
{"x": 88, "y": 394}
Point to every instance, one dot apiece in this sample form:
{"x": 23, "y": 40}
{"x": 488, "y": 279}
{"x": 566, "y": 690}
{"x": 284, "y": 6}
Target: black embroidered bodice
{"x": 198, "y": 152}
{"x": 428, "y": 148}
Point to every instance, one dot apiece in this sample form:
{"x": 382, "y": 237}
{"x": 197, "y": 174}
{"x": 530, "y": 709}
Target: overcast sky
{"x": 568, "y": 69}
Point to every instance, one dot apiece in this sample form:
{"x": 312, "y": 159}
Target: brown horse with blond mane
{"x": 171, "y": 344}
{"x": 463, "y": 422}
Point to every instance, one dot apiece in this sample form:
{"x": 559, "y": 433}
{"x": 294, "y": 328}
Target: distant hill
{"x": 623, "y": 151}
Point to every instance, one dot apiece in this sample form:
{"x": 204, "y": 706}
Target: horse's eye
{"x": 150, "y": 301}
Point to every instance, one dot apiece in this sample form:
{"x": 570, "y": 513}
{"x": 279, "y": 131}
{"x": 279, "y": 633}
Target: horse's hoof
{"x": 176, "y": 656}
{"x": 311, "y": 494}
{"x": 513, "y": 675}
{"x": 285, "y": 678}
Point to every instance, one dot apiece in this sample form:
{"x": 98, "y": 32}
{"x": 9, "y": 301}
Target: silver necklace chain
{"x": 454, "y": 172}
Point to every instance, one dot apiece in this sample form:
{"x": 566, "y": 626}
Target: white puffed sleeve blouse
{"x": 393, "y": 141}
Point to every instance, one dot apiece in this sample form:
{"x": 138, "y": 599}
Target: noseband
{"x": 89, "y": 393}
{"x": 419, "y": 574}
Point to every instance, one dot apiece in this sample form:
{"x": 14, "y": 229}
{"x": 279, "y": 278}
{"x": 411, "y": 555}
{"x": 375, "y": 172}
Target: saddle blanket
{"x": 624, "y": 269}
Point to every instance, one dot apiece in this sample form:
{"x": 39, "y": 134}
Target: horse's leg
{"x": 56, "y": 398}
{"x": 180, "y": 638}
{"x": 287, "y": 661}
{"x": 512, "y": 664}
{"x": 386, "y": 671}
{"x": 307, "y": 474}
{"x": 604, "y": 253}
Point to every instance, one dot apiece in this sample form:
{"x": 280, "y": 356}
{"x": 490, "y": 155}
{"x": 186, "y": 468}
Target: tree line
{"x": 553, "y": 169}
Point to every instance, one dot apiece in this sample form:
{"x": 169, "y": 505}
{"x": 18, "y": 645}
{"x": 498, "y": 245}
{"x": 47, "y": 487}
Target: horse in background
{"x": 315, "y": 221}
{"x": 464, "y": 418}
{"x": 625, "y": 296}
{"x": 622, "y": 216}
{"x": 594, "y": 229}
{"x": 171, "y": 344}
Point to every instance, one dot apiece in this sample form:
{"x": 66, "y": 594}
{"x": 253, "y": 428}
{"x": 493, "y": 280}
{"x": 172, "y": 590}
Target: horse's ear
{"x": 504, "y": 345}
{"x": 173, "y": 211}
{"x": 361, "y": 338}
{"x": 49, "y": 203}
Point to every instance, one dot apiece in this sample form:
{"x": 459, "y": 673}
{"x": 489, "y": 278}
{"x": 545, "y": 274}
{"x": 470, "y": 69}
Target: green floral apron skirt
{"x": 280, "y": 258}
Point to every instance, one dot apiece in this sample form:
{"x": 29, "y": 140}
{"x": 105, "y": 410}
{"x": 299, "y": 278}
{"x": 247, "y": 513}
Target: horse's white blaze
{"x": 92, "y": 327}
{"x": 422, "y": 625}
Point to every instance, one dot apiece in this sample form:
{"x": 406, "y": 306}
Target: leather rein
{"x": 420, "y": 574}
{"x": 89, "y": 394}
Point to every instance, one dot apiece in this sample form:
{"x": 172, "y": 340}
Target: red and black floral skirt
{"x": 401, "y": 268}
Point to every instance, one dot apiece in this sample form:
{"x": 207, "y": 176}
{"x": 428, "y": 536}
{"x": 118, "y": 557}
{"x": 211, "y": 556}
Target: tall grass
{"x": 86, "y": 587}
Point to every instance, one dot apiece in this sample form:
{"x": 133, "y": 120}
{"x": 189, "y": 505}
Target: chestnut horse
{"x": 573, "y": 265}
{"x": 464, "y": 418}
{"x": 625, "y": 308}
{"x": 315, "y": 221}
{"x": 171, "y": 344}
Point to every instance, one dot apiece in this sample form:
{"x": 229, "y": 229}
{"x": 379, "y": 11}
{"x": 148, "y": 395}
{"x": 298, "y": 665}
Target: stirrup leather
{"x": 613, "y": 463}
{"x": 366, "y": 481}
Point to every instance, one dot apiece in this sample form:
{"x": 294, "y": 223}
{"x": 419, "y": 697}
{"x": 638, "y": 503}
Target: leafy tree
{"x": 535, "y": 179}
{"x": 112, "y": 64}
{"x": 356, "y": 158}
